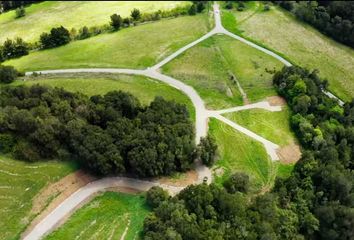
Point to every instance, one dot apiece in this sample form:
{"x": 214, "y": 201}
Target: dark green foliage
{"x": 229, "y": 5}
{"x": 320, "y": 190}
{"x": 20, "y": 12}
{"x": 209, "y": 212}
{"x": 13, "y": 49}
{"x": 57, "y": 37}
{"x": 192, "y": 10}
{"x": 108, "y": 134}
{"x": 7, "y": 74}
{"x": 7, "y": 142}
{"x": 207, "y": 150}
{"x": 334, "y": 18}
{"x": 116, "y": 21}
{"x": 135, "y": 14}
{"x": 9, "y": 5}
{"x": 84, "y": 33}
{"x": 237, "y": 182}
{"x": 155, "y": 196}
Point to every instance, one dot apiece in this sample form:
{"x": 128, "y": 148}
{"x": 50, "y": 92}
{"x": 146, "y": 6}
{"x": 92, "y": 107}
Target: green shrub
{"x": 7, "y": 74}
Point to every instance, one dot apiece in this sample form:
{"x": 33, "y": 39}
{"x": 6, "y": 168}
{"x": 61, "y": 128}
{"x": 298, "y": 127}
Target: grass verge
{"x": 19, "y": 184}
{"x": 106, "y": 217}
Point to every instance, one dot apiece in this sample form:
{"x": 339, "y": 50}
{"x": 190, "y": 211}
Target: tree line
{"x": 110, "y": 134}
{"x": 334, "y": 18}
{"x": 315, "y": 202}
{"x": 10, "y": 5}
{"x": 58, "y": 36}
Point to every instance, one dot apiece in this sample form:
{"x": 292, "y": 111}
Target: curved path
{"x": 202, "y": 115}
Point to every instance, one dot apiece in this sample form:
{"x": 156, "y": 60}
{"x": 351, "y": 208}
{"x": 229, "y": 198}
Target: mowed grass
{"x": 145, "y": 89}
{"x": 105, "y": 217}
{"x": 302, "y": 44}
{"x": 43, "y": 16}
{"x": 239, "y": 153}
{"x": 19, "y": 183}
{"x": 134, "y": 47}
{"x": 207, "y": 67}
{"x": 274, "y": 126}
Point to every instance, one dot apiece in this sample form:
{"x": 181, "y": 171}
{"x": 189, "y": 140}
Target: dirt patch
{"x": 55, "y": 193}
{"x": 182, "y": 180}
{"x": 276, "y": 101}
{"x": 290, "y": 153}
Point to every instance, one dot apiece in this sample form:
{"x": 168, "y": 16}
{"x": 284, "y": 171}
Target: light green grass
{"x": 284, "y": 170}
{"x": 134, "y": 47}
{"x": 206, "y": 67}
{"x": 302, "y": 44}
{"x": 274, "y": 126}
{"x": 145, "y": 89}
{"x": 105, "y": 217}
{"x": 43, "y": 16}
{"x": 19, "y": 183}
{"x": 239, "y": 153}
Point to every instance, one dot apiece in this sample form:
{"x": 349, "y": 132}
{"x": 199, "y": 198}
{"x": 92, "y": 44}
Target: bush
{"x": 126, "y": 22}
{"x": 266, "y": 7}
{"x": 116, "y": 21}
{"x": 229, "y": 5}
{"x": 192, "y": 10}
{"x": 7, "y": 142}
{"x": 237, "y": 182}
{"x": 84, "y": 33}
{"x": 7, "y": 74}
{"x": 135, "y": 14}
{"x": 155, "y": 196}
{"x": 207, "y": 150}
{"x": 24, "y": 151}
{"x": 57, "y": 37}
{"x": 20, "y": 12}
{"x": 14, "y": 49}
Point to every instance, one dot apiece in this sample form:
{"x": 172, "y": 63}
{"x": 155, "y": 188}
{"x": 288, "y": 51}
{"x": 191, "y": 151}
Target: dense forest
{"x": 334, "y": 18}
{"x": 107, "y": 134}
{"x": 315, "y": 202}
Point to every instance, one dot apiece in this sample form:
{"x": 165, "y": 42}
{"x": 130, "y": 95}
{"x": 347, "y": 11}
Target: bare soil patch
{"x": 55, "y": 193}
{"x": 184, "y": 179}
{"x": 290, "y": 153}
{"x": 276, "y": 101}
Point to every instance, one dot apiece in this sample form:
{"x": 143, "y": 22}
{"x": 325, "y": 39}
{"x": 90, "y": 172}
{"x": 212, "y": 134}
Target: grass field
{"x": 207, "y": 67}
{"x": 135, "y": 47}
{"x": 43, "y": 16}
{"x": 274, "y": 126}
{"x": 239, "y": 153}
{"x": 299, "y": 42}
{"x": 19, "y": 183}
{"x": 105, "y": 217}
{"x": 145, "y": 89}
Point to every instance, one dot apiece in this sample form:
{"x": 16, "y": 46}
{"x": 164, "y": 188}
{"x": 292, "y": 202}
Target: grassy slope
{"x": 43, "y": 16}
{"x": 145, "y": 89}
{"x": 206, "y": 67}
{"x": 135, "y": 47}
{"x": 19, "y": 183}
{"x": 239, "y": 153}
{"x": 105, "y": 217}
{"x": 302, "y": 44}
{"x": 274, "y": 126}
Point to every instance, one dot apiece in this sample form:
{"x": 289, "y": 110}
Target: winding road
{"x": 49, "y": 222}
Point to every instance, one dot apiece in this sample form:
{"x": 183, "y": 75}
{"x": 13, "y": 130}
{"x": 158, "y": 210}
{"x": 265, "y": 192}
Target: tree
{"x": 14, "y": 49}
{"x": 84, "y": 33}
{"x": 135, "y": 14}
{"x": 57, "y": 37}
{"x": 7, "y": 74}
{"x": 207, "y": 150}
{"x": 116, "y": 21}
{"x": 20, "y": 12}
{"x": 192, "y": 10}
{"x": 155, "y": 196}
{"x": 237, "y": 182}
